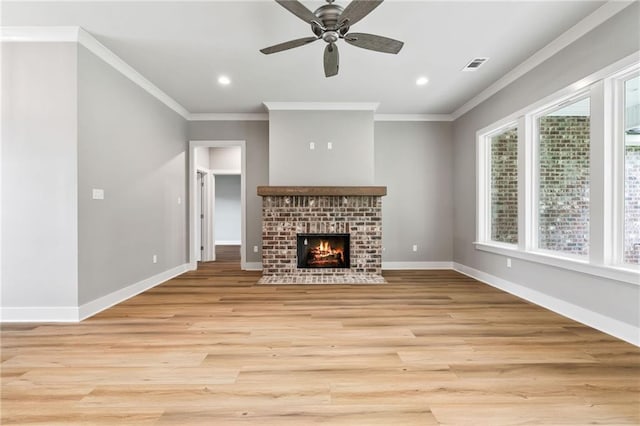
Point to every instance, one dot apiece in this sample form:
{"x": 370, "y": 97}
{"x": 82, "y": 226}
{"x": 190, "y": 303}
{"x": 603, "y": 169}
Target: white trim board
{"x": 389, "y": 266}
{"x": 76, "y": 314}
{"x": 100, "y": 304}
{"x": 412, "y": 117}
{"x": 228, "y": 243}
{"x": 39, "y": 314}
{"x": 218, "y": 116}
{"x": 230, "y": 172}
{"x": 611, "y": 326}
{"x": 82, "y": 37}
{"x": 265, "y": 117}
{"x": 102, "y": 52}
{"x": 321, "y": 106}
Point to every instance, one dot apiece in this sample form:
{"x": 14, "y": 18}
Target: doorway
{"x": 202, "y": 234}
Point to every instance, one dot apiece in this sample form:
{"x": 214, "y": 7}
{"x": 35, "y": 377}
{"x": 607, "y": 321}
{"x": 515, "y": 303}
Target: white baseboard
{"x": 39, "y": 314}
{"x": 76, "y": 314}
{"x": 416, "y": 265}
{"x": 228, "y": 243}
{"x": 104, "y": 302}
{"x": 252, "y": 266}
{"x": 614, "y": 327}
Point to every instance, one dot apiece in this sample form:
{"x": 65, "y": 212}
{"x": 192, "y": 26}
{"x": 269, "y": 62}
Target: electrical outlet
{"x": 508, "y": 262}
{"x": 415, "y": 247}
{"x": 255, "y": 249}
{"x": 155, "y": 258}
{"x": 179, "y": 200}
{"x": 329, "y": 145}
{"x": 312, "y": 145}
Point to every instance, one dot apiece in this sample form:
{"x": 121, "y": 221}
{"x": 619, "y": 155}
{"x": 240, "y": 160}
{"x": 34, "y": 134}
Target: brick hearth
{"x": 288, "y": 211}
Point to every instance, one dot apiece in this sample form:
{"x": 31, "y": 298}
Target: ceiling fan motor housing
{"x": 328, "y": 15}
{"x": 331, "y": 22}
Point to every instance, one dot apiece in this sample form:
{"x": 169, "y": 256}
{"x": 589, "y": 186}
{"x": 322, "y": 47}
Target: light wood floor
{"x": 212, "y": 348}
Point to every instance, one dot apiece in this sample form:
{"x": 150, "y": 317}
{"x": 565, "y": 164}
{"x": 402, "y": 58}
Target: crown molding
{"x": 228, "y": 117}
{"x": 39, "y": 34}
{"x": 412, "y": 117}
{"x": 82, "y": 37}
{"x": 265, "y": 117}
{"x": 101, "y": 51}
{"x": 321, "y": 106}
{"x": 595, "y": 19}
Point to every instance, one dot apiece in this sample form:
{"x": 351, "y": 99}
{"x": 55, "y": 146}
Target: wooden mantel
{"x": 363, "y": 191}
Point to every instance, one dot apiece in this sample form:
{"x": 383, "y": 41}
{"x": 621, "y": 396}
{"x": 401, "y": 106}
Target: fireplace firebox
{"x": 323, "y": 251}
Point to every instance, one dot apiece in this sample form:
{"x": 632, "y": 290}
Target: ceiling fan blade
{"x": 298, "y": 9}
{"x": 331, "y": 59}
{"x": 288, "y": 45}
{"x": 374, "y": 42}
{"x": 356, "y": 10}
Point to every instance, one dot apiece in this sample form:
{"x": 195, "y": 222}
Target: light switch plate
{"x": 98, "y": 194}
{"x": 329, "y": 145}
{"x": 312, "y": 145}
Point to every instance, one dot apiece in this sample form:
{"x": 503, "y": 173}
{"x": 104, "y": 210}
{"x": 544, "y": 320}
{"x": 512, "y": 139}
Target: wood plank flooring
{"x": 212, "y": 348}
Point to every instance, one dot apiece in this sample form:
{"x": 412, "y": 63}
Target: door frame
{"x": 193, "y": 183}
{"x": 207, "y": 209}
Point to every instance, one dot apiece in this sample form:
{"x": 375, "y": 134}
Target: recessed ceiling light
{"x": 224, "y": 80}
{"x": 421, "y": 81}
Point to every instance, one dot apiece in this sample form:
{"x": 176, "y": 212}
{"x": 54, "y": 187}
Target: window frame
{"x": 606, "y": 199}
{"x": 484, "y": 184}
{"x": 534, "y": 179}
{"x": 618, "y": 118}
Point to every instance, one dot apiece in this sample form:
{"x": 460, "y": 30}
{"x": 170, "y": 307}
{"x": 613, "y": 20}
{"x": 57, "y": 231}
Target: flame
{"x": 325, "y": 250}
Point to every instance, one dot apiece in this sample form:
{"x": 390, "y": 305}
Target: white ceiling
{"x": 182, "y": 47}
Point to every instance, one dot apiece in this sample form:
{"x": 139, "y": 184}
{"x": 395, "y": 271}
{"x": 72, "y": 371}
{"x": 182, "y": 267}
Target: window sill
{"x": 628, "y": 275}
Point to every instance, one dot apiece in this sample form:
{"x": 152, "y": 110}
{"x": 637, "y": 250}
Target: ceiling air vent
{"x": 475, "y": 64}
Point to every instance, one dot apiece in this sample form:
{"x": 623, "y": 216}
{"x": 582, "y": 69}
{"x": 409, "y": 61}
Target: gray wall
{"x": 202, "y": 158}
{"x": 225, "y": 158}
{"x": 256, "y": 135}
{"x": 413, "y": 159}
{"x": 133, "y": 147}
{"x": 228, "y": 212}
{"x": 350, "y": 162}
{"x": 613, "y": 40}
{"x": 39, "y": 175}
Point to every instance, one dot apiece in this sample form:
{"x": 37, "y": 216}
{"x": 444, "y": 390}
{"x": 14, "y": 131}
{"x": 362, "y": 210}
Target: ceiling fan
{"x": 330, "y": 22}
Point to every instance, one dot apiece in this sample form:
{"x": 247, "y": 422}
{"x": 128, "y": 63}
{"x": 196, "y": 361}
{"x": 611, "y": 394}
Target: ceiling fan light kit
{"x": 330, "y": 23}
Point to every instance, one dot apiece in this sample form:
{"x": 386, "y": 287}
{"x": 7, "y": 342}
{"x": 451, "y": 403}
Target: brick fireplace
{"x": 289, "y": 212}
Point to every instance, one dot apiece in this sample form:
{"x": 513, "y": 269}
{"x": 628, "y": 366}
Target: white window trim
{"x": 606, "y": 227}
{"x": 483, "y": 185}
{"x": 532, "y": 178}
{"x": 616, "y": 84}
{"x": 617, "y": 273}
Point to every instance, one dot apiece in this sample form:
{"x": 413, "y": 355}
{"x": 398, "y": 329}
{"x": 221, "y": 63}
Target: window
{"x": 504, "y": 186}
{"x": 563, "y": 178}
{"x": 631, "y": 134}
{"x": 558, "y": 182}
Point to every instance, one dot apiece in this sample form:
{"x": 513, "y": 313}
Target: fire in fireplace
{"x": 323, "y": 251}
